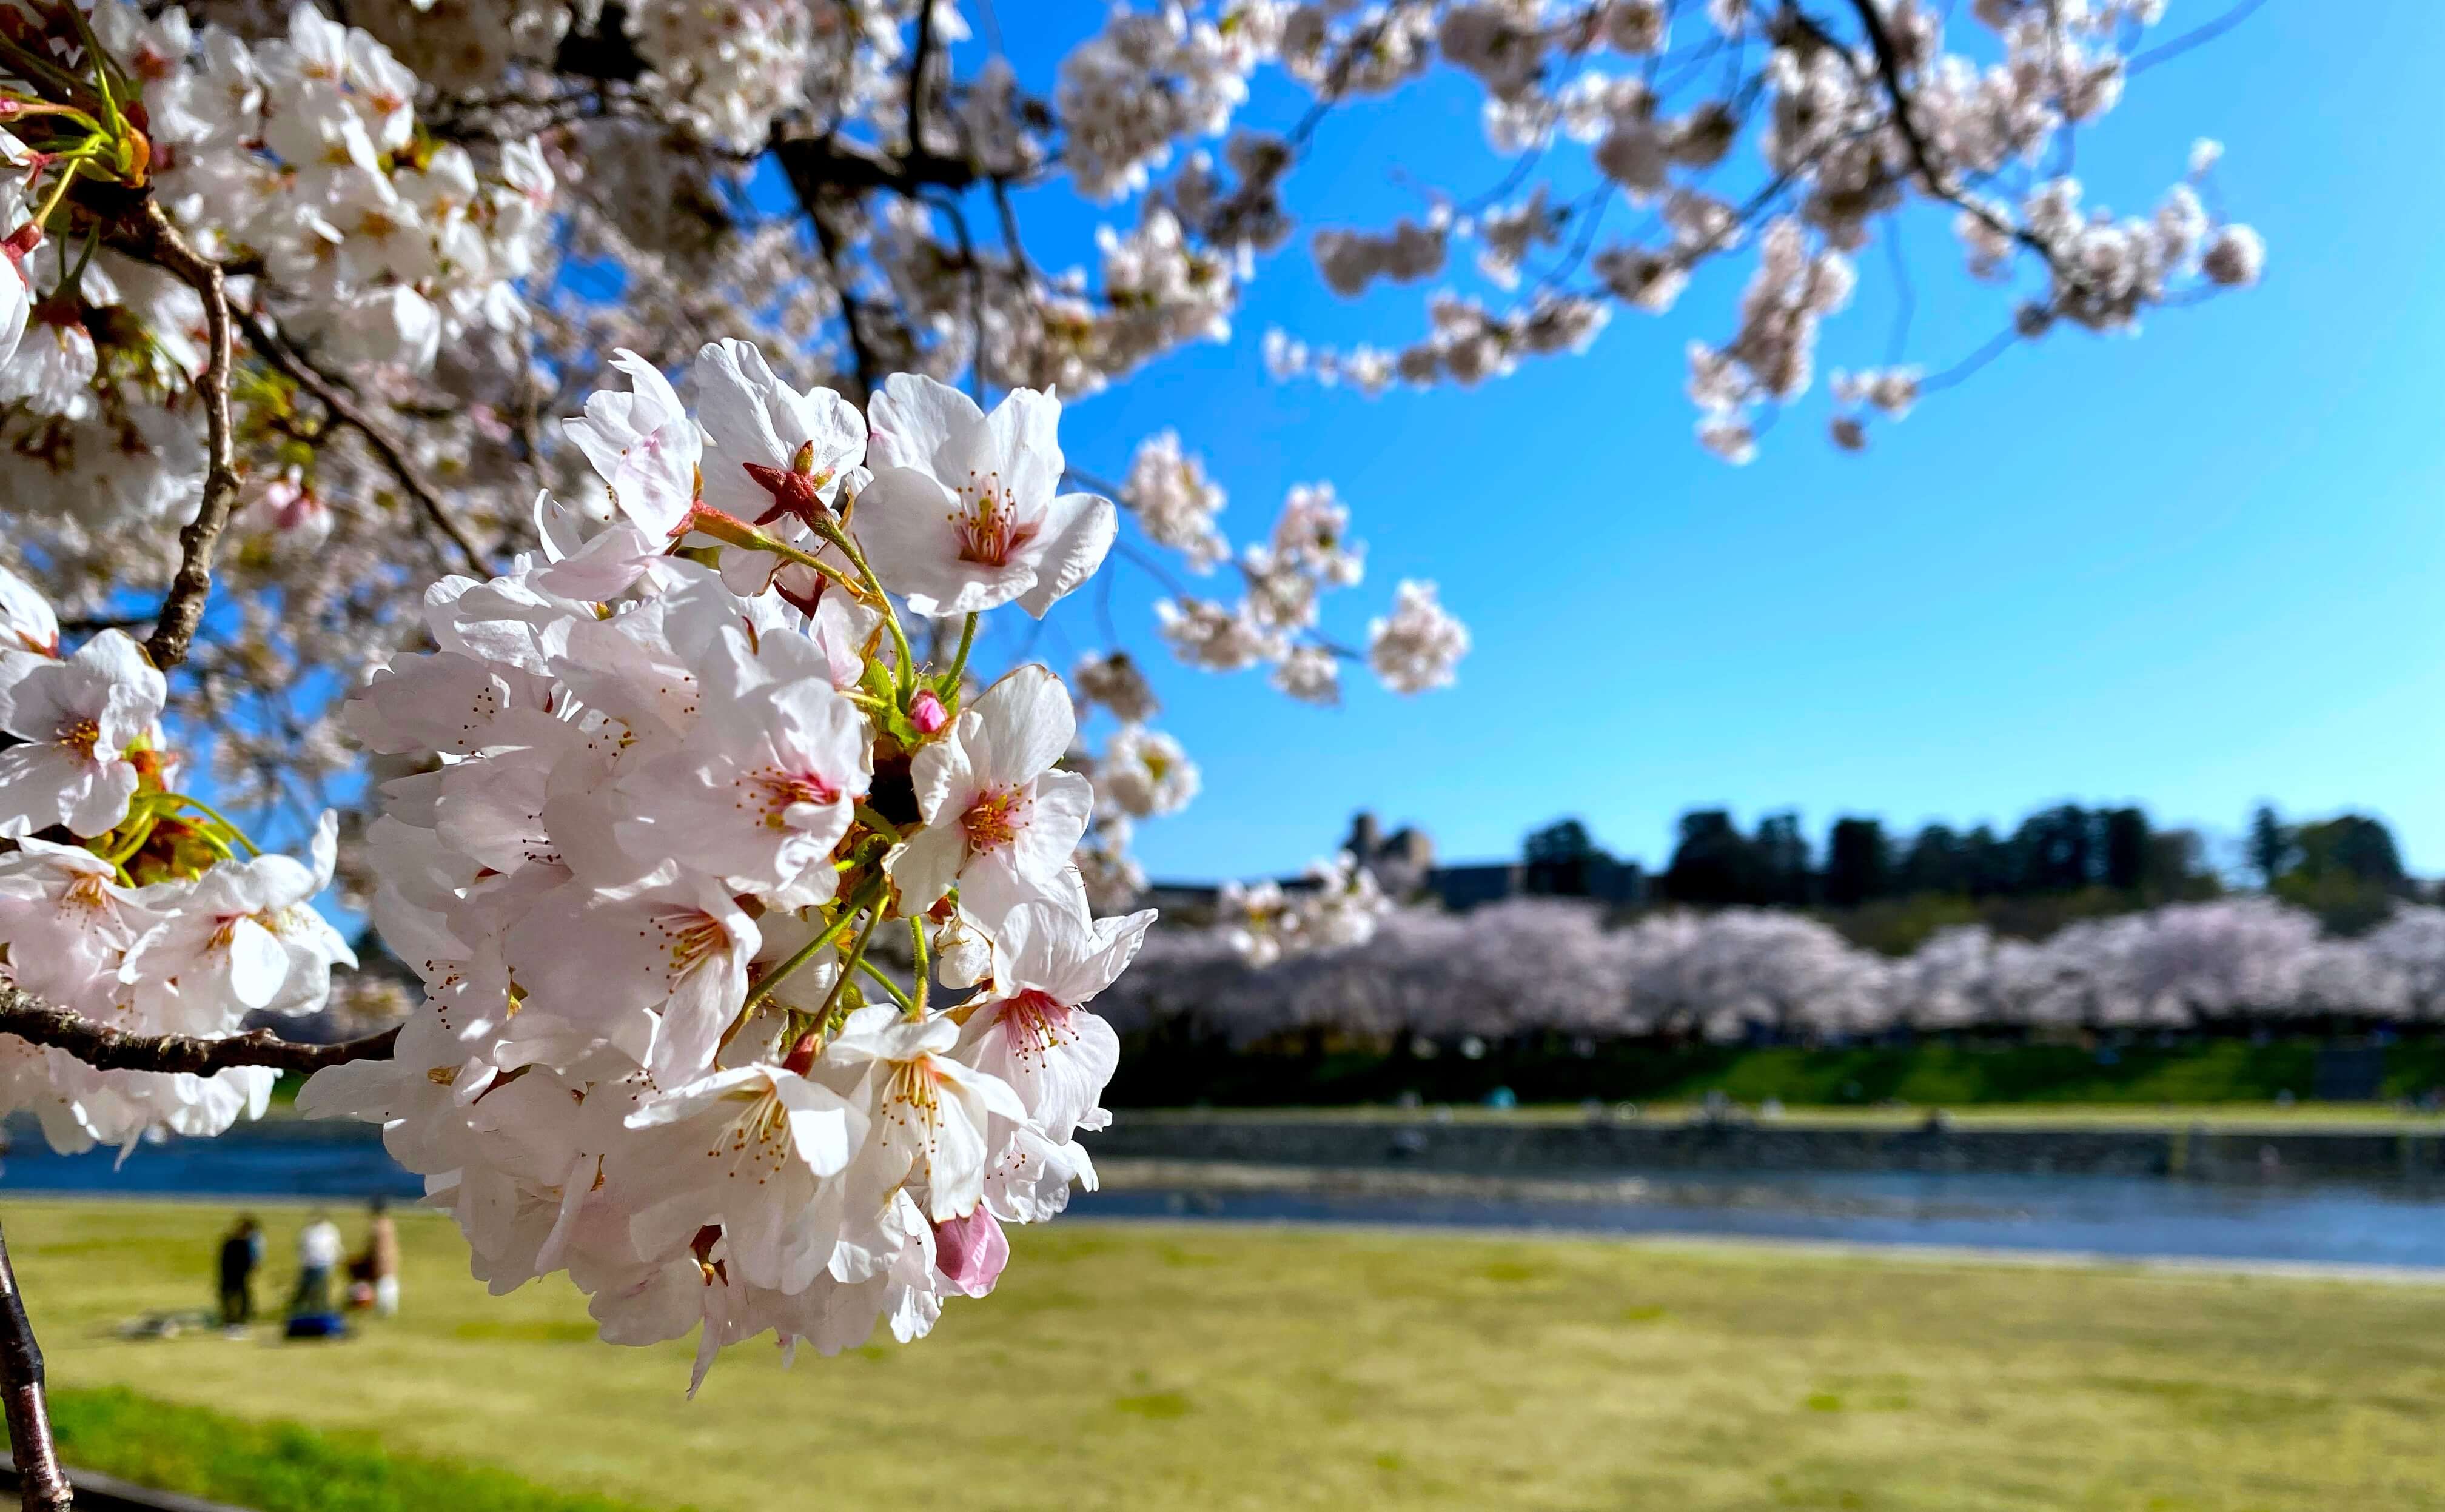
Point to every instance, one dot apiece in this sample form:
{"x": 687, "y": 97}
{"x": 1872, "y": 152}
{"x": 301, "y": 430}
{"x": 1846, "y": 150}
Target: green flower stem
{"x": 856, "y": 957}
{"x": 925, "y": 968}
{"x": 20, "y": 108}
{"x": 732, "y": 531}
{"x": 874, "y": 821}
{"x": 908, "y": 674}
{"x": 59, "y": 192}
{"x": 33, "y": 66}
{"x": 218, "y": 817}
{"x": 906, "y": 1005}
{"x": 99, "y": 61}
{"x": 960, "y": 663}
{"x": 140, "y": 832}
{"x": 857, "y": 902}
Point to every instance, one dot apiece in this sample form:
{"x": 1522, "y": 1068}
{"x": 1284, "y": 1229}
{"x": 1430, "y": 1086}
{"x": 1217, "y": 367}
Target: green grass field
{"x": 1179, "y": 1367}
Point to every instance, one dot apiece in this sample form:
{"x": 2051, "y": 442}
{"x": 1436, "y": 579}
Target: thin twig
{"x": 182, "y": 609}
{"x": 43, "y": 1486}
{"x": 976, "y": 297}
{"x": 2208, "y": 31}
{"x": 920, "y": 56}
{"x": 1361, "y": 41}
{"x": 297, "y": 370}
{"x": 1154, "y": 569}
{"x": 1017, "y": 249}
{"x": 828, "y": 241}
{"x": 94, "y": 623}
{"x": 29, "y": 1018}
{"x": 1905, "y": 296}
{"x": 1994, "y": 346}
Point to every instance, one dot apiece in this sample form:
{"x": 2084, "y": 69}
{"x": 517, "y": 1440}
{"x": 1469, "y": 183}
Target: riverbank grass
{"x": 279, "y": 1467}
{"x": 1180, "y": 1367}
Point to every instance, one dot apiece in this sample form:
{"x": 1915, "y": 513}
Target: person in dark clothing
{"x": 241, "y": 1252}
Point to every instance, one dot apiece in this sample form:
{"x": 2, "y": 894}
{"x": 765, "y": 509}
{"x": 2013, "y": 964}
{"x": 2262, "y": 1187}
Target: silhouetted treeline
{"x": 2065, "y": 849}
{"x": 2346, "y": 869}
{"x": 1890, "y": 891}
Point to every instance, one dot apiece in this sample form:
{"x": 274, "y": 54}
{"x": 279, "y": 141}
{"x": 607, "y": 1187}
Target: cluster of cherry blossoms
{"x": 1528, "y": 968}
{"x": 305, "y": 153}
{"x": 1851, "y": 126}
{"x": 129, "y": 903}
{"x": 1275, "y": 620}
{"x": 677, "y": 773}
{"x": 299, "y": 158}
{"x": 1333, "y": 907}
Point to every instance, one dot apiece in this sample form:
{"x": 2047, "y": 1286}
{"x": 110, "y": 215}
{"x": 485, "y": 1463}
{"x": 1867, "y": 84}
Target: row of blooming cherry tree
{"x": 675, "y": 703}
{"x": 1541, "y": 967}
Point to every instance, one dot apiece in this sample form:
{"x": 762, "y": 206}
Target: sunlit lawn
{"x": 1179, "y": 1367}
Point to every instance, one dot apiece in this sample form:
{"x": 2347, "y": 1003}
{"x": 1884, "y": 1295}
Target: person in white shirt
{"x": 319, "y": 1249}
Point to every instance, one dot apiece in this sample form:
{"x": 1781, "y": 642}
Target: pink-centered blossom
{"x": 77, "y": 718}
{"x": 964, "y": 512}
{"x": 1001, "y": 822}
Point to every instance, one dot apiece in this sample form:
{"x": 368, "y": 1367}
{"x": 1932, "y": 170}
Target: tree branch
{"x": 43, "y": 1486}
{"x": 297, "y": 370}
{"x": 2209, "y": 32}
{"x": 93, "y": 624}
{"x": 183, "y": 609}
{"x": 1939, "y": 184}
{"x": 30, "y": 1019}
{"x": 828, "y": 242}
{"x": 1020, "y": 262}
{"x": 976, "y": 298}
{"x": 920, "y": 56}
{"x": 829, "y": 163}
{"x": 1336, "y": 81}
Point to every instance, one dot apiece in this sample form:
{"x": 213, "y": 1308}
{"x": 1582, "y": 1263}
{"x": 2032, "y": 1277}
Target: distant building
{"x": 1622, "y": 884}
{"x": 1461, "y": 888}
{"x": 1401, "y": 861}
{"x": 1403, "y": 865}
{"x": 1176, "y": 899}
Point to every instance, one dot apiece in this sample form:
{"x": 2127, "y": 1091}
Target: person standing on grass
{"x": 319, "y": 1250}
{"x": 241, "y": 1252}
{"x": 382, "y": 1256}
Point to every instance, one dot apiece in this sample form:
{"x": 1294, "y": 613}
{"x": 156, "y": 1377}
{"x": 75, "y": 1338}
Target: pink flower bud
{"x": 971, "y": 1251}
{"x": 926, "y": 712}
{"x": 20, "y": 246}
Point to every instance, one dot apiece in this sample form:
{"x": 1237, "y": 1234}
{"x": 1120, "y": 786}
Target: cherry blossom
{"x": 776, "y": 454}
{"x": 1417, "y": 646}
{"x": 963, "y": 513}
{"x": 29, "y": 627}
{"x": 1035, "y": 1033}
{"x": 78, "y": 718}
{"x": 1145, "y": 773}
{"x": 67, "y": 921}
{"x": 748, "y": 1150}
{"x": 759, "y": 792}
{"x": 1000, "y": 823}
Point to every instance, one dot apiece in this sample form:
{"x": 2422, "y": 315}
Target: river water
{"x": 2354, "y": 1222}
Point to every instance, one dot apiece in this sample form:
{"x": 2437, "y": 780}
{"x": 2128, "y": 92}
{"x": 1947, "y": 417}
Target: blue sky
{"x": 2191, "y": 570}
